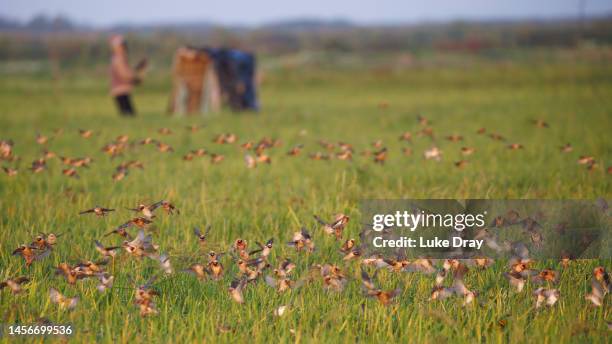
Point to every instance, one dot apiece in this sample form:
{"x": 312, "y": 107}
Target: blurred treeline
{"x": 63, "y": 44}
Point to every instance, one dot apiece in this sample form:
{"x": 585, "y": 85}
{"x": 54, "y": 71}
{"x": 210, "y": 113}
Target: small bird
{"x": 215, "y": 269}
{"x": 515, "y": 146}
{"x": 110, "y": 251}
{"x": 566, "y": 148}
{"x": 120, "y": 174}
{"x": 14, "y": 284}
{"x": 141, "y": 246}
{"x": 38, "y": 165}
{"x": 164, "y": 147}
{"x": 70, "y": 273}
{"x": 98, "y": 211}
{"x": 461, "y": 163}
{"x": 216, "y": 158}
{"x": 336, "y": 227}
{"x": 546, "y": 276}
{"x": 30, "y": 254}
{"x": 497, "y": 137}
{"x": 11, "y": 172}
{"x": 168, "y": 207}
{"x": 105, "y": 282}
{"x": 250, "y": 161}
{"x": 296, "y": 150}
{"x": 354, "y": 253}
{"x": 406, "y": 136}
{"x": 467, "y": 150}
{"x": 235, "y": 290}
{"x": 197, "y": 270}
{"x": 348, "y": 245}
{"x": 121, "y": 230}
{"x": 164, "y": 264}
{"x": 454, "y": 138}
{"x": 301, "y": 240}
{"x": 193, "y": 128}
{"x": 201, "y": 236}
{"x": 164, "y": 131}
{"x": 545, "y": 296}
{"x": 85, "y": 133}
{"x": 539, "y": 123}
{"x": 41, "y": 139}
{"x": 600, "y": 275}
{"x": 62, "y": 301}
{"x": 434, "y": 153}
{"x": 70, "y": 172}
{"x": 380, "y": 156}
{"x": 586, "y": 160}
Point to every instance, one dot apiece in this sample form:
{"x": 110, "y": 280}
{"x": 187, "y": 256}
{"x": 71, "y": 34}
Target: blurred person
{"x": 124, "y": 78}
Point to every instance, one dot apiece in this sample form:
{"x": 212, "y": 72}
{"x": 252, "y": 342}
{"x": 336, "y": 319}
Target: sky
{"x": 256, "y": 12}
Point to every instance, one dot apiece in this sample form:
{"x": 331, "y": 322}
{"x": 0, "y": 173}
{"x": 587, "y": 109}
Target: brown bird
{"x": 547, "y": 297}
{"x": 11, "y": 172}
{"x": 406, "y": 136}
{"x": 586, "y": 160}
{"x": 235, "y": 290}
{"x": 461, "y": 163}
{"x": 85, "y": 133}
{"x": 380, "y": 156}
{"x": 566, "y": 148}
{"x": 216, "y": 158}
{"x": 193, "y": 128}
{"x": 407, "y": 151}
{"x": 197, "y": 270}
{"x": 335, "y": 227}
{"x": 98, "y": 211}
{"x": 200, "y": 152}
{"x": 41, "y": 139}
{"x": 30, "y": 254}
{"x": 70, "y": 273}
{"x": 147, "y": 141}
{"x": 14, "y": 284}
{"x": 201, "y": 236}
{"x": 467, "y": 150}
{"x": 454, "y": 138}
{"x": 62, "y": 301}
{"x": 348, "y": 245}
{"x": 164, "y": 148}
{"x": 168, "y": 207}
{"x": 433, "y": 153}
{"x": 70, "y": 172}
{"x": 164, "y": 131}
{"x": 106, "y": 251}
{"x": 215, "y": 269}
{"x": 318, "y": 156}
{"x": 546, "y": 275}
{"x": 515, "y": 146}
{"x": 539, "y": 123}
{"x": 497, "y": 137}
{"x": 301, "y": 240}
{"x": 120, "y": 174}
{"x": 481, "y": 131}
{"x": 38, "y": 165}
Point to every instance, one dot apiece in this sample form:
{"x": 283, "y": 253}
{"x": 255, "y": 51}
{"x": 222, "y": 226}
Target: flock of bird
{"x": 255, "y": 152}
{"x": 254, "y": 263}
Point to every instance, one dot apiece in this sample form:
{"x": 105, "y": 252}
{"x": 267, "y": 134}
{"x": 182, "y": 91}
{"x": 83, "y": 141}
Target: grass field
{"x": 302, "y": 106}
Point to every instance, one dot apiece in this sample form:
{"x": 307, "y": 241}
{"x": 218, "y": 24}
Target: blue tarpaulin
{"x": 236, "y": 72}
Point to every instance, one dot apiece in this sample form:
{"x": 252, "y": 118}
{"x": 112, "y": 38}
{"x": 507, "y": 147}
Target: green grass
{"x": 303, "y": 106}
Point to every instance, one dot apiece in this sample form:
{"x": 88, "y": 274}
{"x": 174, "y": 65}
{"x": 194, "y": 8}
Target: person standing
{"x": 123, "y": 78}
